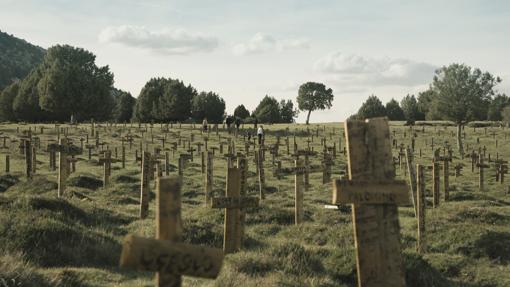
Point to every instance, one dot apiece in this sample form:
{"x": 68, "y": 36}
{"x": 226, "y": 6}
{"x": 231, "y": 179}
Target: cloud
{"x": 358, "y": 70}
{"x": 262, "y": 43}
{"x": 168, "y": 41}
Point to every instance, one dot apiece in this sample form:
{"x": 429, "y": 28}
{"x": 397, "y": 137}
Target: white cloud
{"x": 358, "y": 70}
{"x": 168, "y": 41}
{"x": 262, "y": 43}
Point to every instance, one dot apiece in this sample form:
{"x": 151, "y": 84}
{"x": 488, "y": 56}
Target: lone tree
{"x": 462, "y": 94}
{"x": 314, "y": 96}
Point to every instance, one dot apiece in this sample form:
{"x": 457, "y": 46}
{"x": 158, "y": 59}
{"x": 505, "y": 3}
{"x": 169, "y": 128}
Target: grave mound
{"x": 85, "y": 181}
{"x": 7, "y": 181}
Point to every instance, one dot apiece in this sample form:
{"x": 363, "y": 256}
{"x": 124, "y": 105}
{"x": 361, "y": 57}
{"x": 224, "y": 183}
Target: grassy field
{"x": 76, "y": 240}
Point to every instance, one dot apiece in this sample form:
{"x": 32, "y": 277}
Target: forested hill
{"x": 17, "y": 58}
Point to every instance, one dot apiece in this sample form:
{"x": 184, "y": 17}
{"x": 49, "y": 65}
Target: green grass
{"x": 76, "y": 240}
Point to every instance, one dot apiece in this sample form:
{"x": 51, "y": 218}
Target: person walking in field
{"x": 260, "y": 134}
{"x": 204, "y": 125}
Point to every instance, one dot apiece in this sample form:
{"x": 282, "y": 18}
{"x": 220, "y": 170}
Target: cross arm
{"x": 370, "y": 192}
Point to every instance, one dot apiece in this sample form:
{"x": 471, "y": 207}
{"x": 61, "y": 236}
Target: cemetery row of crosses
{"x": 364, "y": 169}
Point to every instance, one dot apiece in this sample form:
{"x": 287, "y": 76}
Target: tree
{"x": 241, "y": 112}
{"x": 164, "y": 100}
{"x": 72, "y": 84}
{"x": 268, "y": 110}
{"x": 124, "y": 104}
{"x": 208, "y": 105}
{"x": 393, "y": 111}
{"x": 371, "y": 108}
{"x": 26, "y": 103}
{"x": 287, "y": 111}
{"x": 505, "y": 115}
{"x": 424, "y": 100}
{"x": 410, "y": 108}
{"x": 314, "y": 96}
{"x": 496, "y": 107}
{"x": 6, "y": 100}
{"x": 463, "y": 95}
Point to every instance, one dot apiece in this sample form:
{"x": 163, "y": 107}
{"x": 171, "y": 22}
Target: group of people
{"x": 229, "y": 120}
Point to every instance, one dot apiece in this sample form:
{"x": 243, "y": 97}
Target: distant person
{"x": 260, "y": 134}
{"x": 204, "y": 125}
{"x": 229, "y": 122}
{"x": 72, "y": 119}
{"x": 255, "y": 123}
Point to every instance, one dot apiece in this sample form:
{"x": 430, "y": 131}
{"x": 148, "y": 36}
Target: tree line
{"x": 68, "y": 84}
{"x": 458, "y": 93}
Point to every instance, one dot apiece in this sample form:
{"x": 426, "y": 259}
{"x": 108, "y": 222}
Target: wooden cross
{"x": 233, "y": 202}
{"x": 106, "y": 161}
{"x": 481, "y": 167}
{"x": 145, "y": 184}
{"x": 208, "y": 177}
{"x": 299, "y": 186}
{"x": 421, "y": 205}
{"x": 374, "y": 195}
{"x": 166, "y": 254}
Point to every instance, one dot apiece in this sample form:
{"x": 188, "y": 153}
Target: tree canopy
{"x": 241, "y": 112}
{"x": 124, "y": 105}
{"x": 393, "y": 111}
{"x": 462, "y": 93}
{"x": 270, "y": 111}
{"x": 410, "y": 108}
{"x": 164, "y": 100}
{"x": 314, "y": 96}
{"x": 208, "y": 105}
{"x": 371, "y": 108}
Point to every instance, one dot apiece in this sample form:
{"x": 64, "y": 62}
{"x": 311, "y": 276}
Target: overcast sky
{"x": 243, "y": 50}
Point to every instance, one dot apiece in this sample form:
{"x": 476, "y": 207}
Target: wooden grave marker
{"x": 166, "y": 254}
{"x": 233, "y": 202}
{"x": 374, "y": 195}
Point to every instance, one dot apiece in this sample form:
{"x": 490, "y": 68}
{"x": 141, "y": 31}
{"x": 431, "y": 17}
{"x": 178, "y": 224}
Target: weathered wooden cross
{"x": 166, "y": 254}
{"x": 233, "y": 203}
{"x": 375, "y": 196}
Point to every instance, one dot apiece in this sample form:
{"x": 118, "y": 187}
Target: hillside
{"x": 17, "y": 58}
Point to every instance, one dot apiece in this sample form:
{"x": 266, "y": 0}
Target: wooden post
{"x": 233, "y": 203}
{"x": 298, "y": 191}
{"x": 262, "y": 180}
{"x": 107, "y": 162}
{"x": 421, "y": 209}
{"x": 165, "y": 254}
{"x": 374, "y": 195}
{"x": 412, "y": 176}
{"x": 145, "y": 187}
{"x": 168, "y": 221}
{"x": 28, "y": 158}
{"x": 123, "y": 155}
{"x": 62, "y": 166}
{"x": 435, "y": 184}
{"x": 7, "y": 163}
{"x": 481, "y": 166}
{"x": 446, "y": 181}
{"x": 167, "y": 164}
{"x": 242, "y": 165}
{"x": 208, "y": 178}
{"x": 34, "y": 159}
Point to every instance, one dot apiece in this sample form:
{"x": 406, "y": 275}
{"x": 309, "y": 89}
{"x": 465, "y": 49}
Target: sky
{"x": 244, "y": 50}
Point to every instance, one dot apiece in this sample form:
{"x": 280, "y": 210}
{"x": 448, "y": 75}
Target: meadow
{"x": 76, "y": 240}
